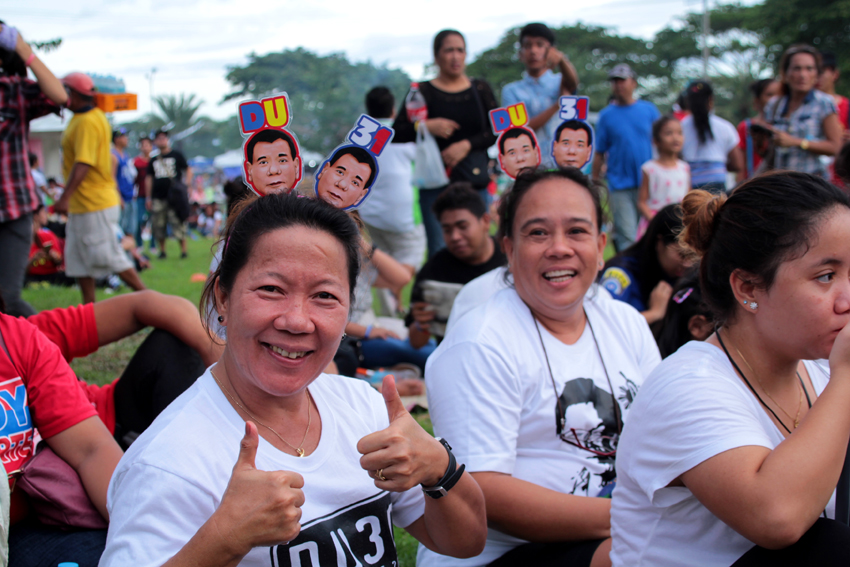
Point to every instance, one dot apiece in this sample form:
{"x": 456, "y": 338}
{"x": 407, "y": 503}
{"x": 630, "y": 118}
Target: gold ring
{"x": 380, "y": 473}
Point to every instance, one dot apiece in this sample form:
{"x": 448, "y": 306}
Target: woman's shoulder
{"x": 692, "y": 371}
{"x": 824, "y": 101}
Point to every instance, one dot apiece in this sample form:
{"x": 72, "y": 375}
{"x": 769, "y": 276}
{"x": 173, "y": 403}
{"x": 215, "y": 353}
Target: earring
{"x": 754, "y": 305}
{"x": 344, "y": 335}
{"x": 221, "y": 319}
{"x": 745, "y": 302}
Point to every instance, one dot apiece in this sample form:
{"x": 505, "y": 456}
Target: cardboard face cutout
{"x": 272, "y": 159}
{"x": 346, "y": 178}
{"x": 518, "y": 147}
{"x": 572, "y": 144}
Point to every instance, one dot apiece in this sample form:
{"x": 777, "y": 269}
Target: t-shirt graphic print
{"x": 358, "y": 534}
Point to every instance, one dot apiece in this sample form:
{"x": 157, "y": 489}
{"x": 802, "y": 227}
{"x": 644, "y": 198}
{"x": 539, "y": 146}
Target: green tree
{"x": 180, "y": 110}
{"x": 326, "y": 92}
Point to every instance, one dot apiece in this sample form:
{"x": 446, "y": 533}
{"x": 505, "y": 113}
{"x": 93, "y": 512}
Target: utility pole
{"x": 705, "y": 31}
{"x": 150, "y": 86}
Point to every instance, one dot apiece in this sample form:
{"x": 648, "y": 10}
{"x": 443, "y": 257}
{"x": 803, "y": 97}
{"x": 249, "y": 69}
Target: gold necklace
{"x": 796, "y": 418}
{"x": 299, "y": 450}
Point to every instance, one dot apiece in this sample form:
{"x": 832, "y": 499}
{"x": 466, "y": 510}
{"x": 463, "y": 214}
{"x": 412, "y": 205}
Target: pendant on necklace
{"x": 300, "y": 452}
{"x": 796, "y": 423}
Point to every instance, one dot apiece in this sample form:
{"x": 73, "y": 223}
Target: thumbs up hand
{"x": 259, "y": 508}
{"x": 403, "y": 454}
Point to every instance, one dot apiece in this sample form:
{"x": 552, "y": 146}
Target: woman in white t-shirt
{"x": 323, "y": 465}
{"x": 734, "y": 446}
{"x": 711, "y": 143}
{"x": 533, "y": 387}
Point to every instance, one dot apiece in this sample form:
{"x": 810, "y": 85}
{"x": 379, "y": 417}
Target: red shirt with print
{"x": 37, "y": 390}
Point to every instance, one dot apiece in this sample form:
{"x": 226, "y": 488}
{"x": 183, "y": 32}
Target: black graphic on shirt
{"x": 628, "y": 391}
{"x": 590, "y": 423}
{"x": 357, "y": 535}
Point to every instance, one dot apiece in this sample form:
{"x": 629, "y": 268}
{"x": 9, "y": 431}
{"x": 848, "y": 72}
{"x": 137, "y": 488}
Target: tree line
{"x": 327, "y": 92}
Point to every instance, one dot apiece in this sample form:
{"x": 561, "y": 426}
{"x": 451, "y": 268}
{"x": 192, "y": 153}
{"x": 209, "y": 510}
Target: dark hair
{"x": 459, "y": 195}
{"x": 700, "y": 94}
{"x": 251, "y": 218}
{"x": 51, "y": 180}
{"x": 684, "y": 304}
{"x": 380, "y": 102}
{"x": 359, "y": 154}
{"x": 682, "y": 100}
{"x": 441, "y": 37}
{"x": 268, "y": 136}
{"x": 162, "y": 131}
{"x": 665, "y": 226}
{"x": 527, "y": 179}
{"x": 575, "y": 125}
{"x": 763, "y": 223}
{"x": 842, "y": 163}
{"x": 537, "y": 30}
{"x": 789, "y": 54}
{"x": 758, "y": 87}
{"x": 659, "y": 125}
{"x": 33, "y": 158}
{"x": 516, "y": 133}
{"x": 828, "y": 61}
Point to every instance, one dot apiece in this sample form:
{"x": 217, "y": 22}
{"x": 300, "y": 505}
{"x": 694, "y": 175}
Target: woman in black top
{"x": 458, "y": 110}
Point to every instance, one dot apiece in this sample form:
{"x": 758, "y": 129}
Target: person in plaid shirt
{"x": 21, "y": 100}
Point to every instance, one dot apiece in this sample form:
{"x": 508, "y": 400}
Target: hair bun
{"x": 699, "y": 212}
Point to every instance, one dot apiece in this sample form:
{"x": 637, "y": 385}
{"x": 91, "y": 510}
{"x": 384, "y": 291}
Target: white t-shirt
{"x": 389, "y": 205}
{"x": 491, "y": 396}
{"x": 690, "y": 409}
{"x": 715, "y": 149}
{"x": 173, "y": 477}
{"x": 667, "y": 185}
{"x": 481, "y": 289}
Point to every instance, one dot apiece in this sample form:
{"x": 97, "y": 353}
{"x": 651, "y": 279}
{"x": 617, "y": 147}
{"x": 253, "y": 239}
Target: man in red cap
{"x": 91, "y": 197}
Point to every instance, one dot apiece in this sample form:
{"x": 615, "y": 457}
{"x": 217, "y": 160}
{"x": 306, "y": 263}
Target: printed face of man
{"x": 571, "y": 148}
{"x": 519, "y": 153}
{"x": 343, "y": 183}
{"x": 274, "y": 169}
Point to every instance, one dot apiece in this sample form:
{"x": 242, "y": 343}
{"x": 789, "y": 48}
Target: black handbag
{"x": 474, "y": 168}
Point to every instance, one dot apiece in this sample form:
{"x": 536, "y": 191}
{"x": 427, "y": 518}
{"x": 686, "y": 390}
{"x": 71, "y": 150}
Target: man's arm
{"x": 598, "y": 162}
{"x": 47, "y": 81}
{"x": 123, "y": 315}
{"x": 189, "y": 176}
{"x": 569, "y": 76}
{"x": 78, "y": 173}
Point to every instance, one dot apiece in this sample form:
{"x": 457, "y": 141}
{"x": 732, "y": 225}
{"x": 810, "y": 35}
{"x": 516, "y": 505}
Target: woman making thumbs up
{"x": 325, "y": 466}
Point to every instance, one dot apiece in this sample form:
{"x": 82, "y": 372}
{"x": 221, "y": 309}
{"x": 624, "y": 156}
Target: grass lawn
{"x": 171, "y": 275}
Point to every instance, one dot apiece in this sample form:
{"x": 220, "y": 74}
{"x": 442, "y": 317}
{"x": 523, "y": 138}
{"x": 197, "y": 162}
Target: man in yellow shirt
{"x": 91, "y": 197}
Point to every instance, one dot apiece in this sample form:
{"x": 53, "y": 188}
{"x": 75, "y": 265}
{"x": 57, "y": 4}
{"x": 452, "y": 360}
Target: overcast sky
{"x": 191, "y": 42}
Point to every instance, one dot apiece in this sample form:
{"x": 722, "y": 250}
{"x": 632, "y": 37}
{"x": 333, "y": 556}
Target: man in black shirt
{"x": 164, "y": 170}
{"x": 470, "y": 252}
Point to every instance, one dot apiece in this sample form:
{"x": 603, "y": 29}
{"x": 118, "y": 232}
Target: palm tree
{"x": 180, "y": 110}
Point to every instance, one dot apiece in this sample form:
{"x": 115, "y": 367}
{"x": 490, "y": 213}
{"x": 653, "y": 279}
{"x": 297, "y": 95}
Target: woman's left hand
{"x": 403, "y": 454}
{"x": 455, "y": 153}
{"x": 784, "y": 139}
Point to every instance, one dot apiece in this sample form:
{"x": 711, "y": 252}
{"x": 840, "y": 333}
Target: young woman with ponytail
{"x": 734, "y": 445}
{"x": 711, "y": 143}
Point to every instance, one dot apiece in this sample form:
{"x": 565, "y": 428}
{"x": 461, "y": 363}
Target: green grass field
{"x": 171, "y": 275}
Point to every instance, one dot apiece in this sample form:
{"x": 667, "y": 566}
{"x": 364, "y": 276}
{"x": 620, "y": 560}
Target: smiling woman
{"x": 550, "y": 347}
{"x": 332, "y": 465}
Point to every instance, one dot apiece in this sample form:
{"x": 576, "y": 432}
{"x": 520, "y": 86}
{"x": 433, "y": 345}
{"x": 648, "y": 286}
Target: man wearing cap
{"x": 539, "y": 87}
{"x": 624, "y": 138}
{"x": 90, "y": 198}
{"x": 124, "y": 173}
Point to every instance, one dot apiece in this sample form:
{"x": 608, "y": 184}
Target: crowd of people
{"x": 695, "y": 376}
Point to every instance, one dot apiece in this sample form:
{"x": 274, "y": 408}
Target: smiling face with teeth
{"x": 285, "y": 313}
{"x": 555, "y": 249}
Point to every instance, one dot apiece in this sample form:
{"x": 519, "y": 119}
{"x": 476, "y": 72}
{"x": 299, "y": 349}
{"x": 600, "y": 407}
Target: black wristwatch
{"x": 453, "y": 474}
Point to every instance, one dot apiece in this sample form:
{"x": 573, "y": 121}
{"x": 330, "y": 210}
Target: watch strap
{"x": 450, "y": 478}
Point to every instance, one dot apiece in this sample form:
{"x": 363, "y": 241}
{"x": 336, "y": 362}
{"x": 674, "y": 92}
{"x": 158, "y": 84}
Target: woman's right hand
{"x": 839, "y": 357}
{"x": 259, "y": 508}
{"x": 441, "y": 127}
